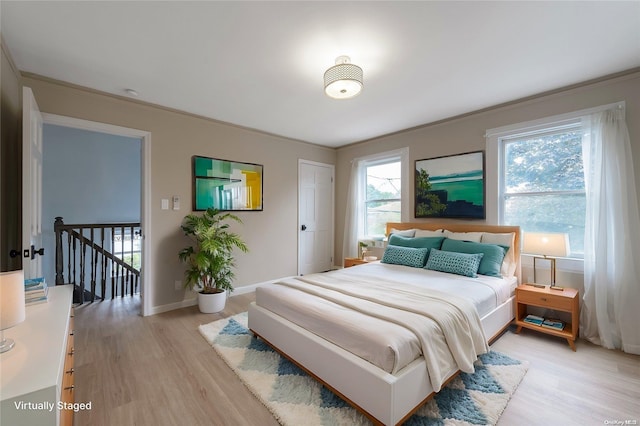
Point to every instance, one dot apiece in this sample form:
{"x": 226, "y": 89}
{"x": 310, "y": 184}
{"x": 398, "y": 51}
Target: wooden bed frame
{"x": 384, "y": 398}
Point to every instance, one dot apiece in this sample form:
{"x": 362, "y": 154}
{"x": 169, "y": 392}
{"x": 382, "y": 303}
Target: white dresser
{"x": 37, "y": 374}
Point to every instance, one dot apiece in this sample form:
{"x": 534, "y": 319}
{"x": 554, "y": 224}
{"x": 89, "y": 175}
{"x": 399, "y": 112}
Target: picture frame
{"x": 451, "y": 186}
{"x": 227, "y": 185}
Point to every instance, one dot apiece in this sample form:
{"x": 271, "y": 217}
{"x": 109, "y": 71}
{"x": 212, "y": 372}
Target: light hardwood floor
{"x": 158, "y": 370}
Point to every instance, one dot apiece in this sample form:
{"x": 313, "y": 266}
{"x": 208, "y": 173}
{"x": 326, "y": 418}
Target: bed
{"x": 352, "y": 332}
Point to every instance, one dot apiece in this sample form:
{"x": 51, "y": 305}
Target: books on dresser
{"x": 35, "y": 291}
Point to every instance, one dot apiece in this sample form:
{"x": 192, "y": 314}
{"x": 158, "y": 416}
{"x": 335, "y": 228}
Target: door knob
{"x": 14, "y": 253}
{"x": 34, "y": 251}
{"x": 303, "y": 227}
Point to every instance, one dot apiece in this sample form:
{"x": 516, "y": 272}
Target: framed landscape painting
{"x": 226, "y": 185}
{"x": 451, "y": 186}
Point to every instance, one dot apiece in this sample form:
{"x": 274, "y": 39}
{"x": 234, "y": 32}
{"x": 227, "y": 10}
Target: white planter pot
{"x": 212, "y": 303}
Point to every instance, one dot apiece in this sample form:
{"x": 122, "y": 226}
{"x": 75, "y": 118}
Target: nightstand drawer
{"x": 550, "y": 301}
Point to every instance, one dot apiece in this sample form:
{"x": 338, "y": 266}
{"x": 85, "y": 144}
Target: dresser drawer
{"x": 550, "y": 301}
{"x": 67, "y": 393}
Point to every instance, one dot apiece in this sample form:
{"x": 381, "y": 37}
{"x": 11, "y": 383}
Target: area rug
{"x": 295, "y": 398}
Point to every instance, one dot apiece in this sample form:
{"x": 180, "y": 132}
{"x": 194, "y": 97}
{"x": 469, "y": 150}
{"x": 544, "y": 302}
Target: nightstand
{"x": 353, "y": 261}
{"x": 565, "y": 301}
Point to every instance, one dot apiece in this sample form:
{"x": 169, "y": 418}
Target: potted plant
{"x": 363, "y": 249}
{"x": 210, "y": 258}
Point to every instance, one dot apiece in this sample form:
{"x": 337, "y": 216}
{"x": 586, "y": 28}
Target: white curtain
{"x": 611, "y": 310}
{"x": 354, "y": 214}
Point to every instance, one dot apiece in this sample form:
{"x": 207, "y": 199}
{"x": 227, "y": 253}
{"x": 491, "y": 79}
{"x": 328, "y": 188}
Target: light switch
{"x": 165, "y": 204}
{"x": 176, "y": 202}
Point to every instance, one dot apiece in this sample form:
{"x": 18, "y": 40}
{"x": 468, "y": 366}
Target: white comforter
{"x": 442, "y": 323}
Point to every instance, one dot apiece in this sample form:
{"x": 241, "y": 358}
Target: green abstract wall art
{"x": 451, "y": 186}
{"x": 226, "y": 185}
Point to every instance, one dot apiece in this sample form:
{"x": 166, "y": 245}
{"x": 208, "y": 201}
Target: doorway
{"x": 124, "y": 135}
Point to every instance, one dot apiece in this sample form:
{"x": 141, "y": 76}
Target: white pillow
{"x": 509, "y": 262}
{"x": 406, "y": 233}
{"x": 464, "y": 236}
{"x": 427, "y": 233}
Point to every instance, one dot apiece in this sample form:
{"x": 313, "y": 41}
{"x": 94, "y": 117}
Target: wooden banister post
{"x": 57, "y": 227}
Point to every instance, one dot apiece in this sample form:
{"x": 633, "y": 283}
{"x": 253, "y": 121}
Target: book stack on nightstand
{"x": 553, "y": 324}
{"x": 544, "y": 297}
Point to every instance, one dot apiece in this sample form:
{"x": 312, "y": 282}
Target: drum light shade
{"x": 343, "y": 80}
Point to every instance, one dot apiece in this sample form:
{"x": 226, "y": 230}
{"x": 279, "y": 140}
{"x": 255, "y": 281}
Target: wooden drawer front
{"x": 67, "y": 393}
{"x": 71, "y": 322}
{"x": 546, "y": 300}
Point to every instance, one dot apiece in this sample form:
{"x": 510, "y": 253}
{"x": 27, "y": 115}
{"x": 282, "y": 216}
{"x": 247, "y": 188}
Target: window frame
{"x": 503, "y": 194}
{"x": 504, "y": 141}
{"x": 366, "y": 205}
{"x": 401, "y": 155}
{"x": 494, "y": 161}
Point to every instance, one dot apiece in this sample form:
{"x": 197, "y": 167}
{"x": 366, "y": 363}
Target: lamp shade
{"x": 343, "y": 80}
{"x": 546, "y": 244}
{"x": 12, "y": 308}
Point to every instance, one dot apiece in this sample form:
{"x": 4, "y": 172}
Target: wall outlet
{"x": 177, "y": 284}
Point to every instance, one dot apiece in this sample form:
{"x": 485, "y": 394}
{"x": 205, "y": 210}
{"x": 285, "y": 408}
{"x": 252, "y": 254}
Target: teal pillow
{"x": 492, "y": 258}
{"x": 419, "y": 242}
{"x": 406, "y": 256}
{"x": 454, "y": 263}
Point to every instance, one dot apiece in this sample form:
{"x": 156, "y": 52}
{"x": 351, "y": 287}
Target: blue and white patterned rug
{"x": 294, "y": 398}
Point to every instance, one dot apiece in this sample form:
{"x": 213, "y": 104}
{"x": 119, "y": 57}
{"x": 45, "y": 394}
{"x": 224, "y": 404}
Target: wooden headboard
{"x": 464, "y": 227}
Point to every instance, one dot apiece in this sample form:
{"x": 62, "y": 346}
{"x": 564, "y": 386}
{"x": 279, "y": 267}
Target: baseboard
{"x": 194, "y": 301}
{"x": 173, "y": 306}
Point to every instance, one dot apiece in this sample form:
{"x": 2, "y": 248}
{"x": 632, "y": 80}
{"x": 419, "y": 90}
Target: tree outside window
{"x": 543, "y": 184}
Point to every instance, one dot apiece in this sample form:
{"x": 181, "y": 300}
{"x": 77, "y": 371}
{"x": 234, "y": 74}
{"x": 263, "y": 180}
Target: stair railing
{"x": 102, "y": 265}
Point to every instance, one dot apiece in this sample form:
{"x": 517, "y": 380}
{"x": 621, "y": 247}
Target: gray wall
{"x": 466, "y": 134}
{"x": 87, "y": 177}
{"x": 272, "y": 235}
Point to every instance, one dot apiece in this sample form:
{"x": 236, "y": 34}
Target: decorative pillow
{"x": 405, "y": 233}
{"x": 492, "y": 254}
{"x": 427, "y": 233}
{"x": 504, "y": 240}
{"x": 421, "y": 242}
{"x": 454, "y": 263}
{"x": 464, "y": 236}
{"x": 406, "y": 256}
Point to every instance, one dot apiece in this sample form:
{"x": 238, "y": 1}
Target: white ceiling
{"x": 261, "y": 64}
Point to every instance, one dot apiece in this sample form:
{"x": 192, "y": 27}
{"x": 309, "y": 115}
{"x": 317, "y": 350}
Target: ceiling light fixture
{"x": 343, "y": 80}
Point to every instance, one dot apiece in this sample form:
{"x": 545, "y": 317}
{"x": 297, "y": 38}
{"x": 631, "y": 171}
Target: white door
{"x": 315, "y": 217}
{"x": 32, "y": 249}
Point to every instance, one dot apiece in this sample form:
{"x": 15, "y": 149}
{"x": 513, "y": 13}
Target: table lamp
{"x": 12, "y": 309}
{"x": 550, "y": 246}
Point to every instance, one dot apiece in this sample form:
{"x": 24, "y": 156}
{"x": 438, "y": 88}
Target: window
{"x": 541, "y": 181}
{"x": 378, "y": 193}
{"x": 128, "y": 246}
{"x": 383, "y": 194}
